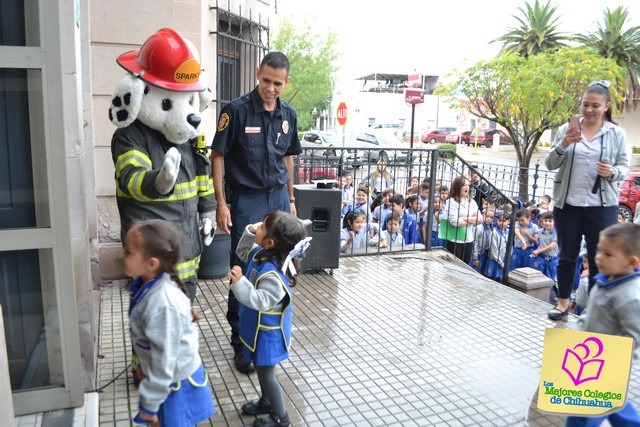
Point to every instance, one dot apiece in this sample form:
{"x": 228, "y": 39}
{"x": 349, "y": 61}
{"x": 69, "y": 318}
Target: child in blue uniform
{"x": 362, "y": 201}
{"x": 614, "y": 305}
{"x": 412, "y": 233}
{"x": 348, "y": 193}
{"x": 526, "y": 238}
{"x": 391, "y": 236}
{"x": 482, "y": 242}
{"x": 435, "y": 227}
{"x": 498, "y": 246}
{"x": 355, "y": 231}
{"x": 545, "y": 256}
{"x": 423, "y": 199}
{"x": 270, "y": 249}
{"x": 174, "y": 388}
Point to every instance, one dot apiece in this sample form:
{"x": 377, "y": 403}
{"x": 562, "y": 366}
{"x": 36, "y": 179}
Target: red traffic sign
{"x": 342, "y": 114}
{"x": 414, "y": 96}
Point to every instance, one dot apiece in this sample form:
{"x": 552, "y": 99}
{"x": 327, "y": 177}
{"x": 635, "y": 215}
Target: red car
{"x": 457, "y": 137}
{"x": 486, "y": 138}
{"x": 629, "y": 196}
{"x": 436, "y": 135}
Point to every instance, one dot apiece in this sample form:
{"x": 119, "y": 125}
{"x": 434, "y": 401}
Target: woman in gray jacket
{"x": 591, "y": 159}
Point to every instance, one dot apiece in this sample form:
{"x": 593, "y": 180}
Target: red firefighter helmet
{"x": 166, "y": 60}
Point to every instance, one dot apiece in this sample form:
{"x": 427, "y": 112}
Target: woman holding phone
{"x": 591, "y": 158}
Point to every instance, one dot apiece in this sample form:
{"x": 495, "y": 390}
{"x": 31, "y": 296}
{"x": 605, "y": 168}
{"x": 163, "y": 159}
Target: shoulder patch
{"x": 223, "y": 122}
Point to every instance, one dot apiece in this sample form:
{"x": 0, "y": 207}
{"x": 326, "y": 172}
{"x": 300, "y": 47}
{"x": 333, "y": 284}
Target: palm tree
{"x": 612, "y": 41}
{"x": 537, "y": 31}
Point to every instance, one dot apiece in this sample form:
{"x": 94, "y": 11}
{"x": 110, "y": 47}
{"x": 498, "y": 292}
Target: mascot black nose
{"x": 194, "y": 120}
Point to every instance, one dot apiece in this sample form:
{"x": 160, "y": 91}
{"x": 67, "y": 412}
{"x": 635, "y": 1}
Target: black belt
{"x": 241, "y": 189}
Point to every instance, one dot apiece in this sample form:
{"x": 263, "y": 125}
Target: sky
{"x": 429, "y": 37}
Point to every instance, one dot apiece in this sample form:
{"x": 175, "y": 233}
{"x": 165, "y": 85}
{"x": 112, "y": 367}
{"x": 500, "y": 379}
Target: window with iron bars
{"x": 241, "y": 44}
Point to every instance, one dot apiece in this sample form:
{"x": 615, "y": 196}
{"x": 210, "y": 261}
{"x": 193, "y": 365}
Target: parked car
{"x": 486, "y": 138}
{"x": 328, "y": 144}
{"x": 457, "y": 137}
{"x": 392, "y": 129}
{"x": 629, "y": 196}
{"x": 436, "y": 135}
{"x": 375, "y": 143}
{"x": 320, "y": 139}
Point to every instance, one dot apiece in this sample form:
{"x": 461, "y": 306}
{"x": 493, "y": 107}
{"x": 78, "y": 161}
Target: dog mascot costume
{"x": 162, "y": 168}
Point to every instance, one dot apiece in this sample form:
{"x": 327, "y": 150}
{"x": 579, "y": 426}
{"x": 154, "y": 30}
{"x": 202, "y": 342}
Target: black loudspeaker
{"x": 322, "y": 207}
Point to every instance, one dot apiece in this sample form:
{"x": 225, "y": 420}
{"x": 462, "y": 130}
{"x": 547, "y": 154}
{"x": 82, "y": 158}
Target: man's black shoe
{"x": 243, "y": 365}
{"x": 272, "y": 421}
{"x": 256, "y": 407}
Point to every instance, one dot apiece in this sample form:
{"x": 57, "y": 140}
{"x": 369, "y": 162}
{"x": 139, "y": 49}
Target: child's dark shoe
{"x": 256, "y": 407}
{"x": 243, "y": 365}
{"x": 272, "y": 421}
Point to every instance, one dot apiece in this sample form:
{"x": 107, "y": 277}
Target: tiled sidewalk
{"x": 407, "y": 340}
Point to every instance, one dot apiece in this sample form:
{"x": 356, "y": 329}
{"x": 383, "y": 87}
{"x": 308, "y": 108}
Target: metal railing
{"x": 498, "y": 184}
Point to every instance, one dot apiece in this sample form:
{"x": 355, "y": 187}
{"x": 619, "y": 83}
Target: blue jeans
{"x": 248, "y": 208}
{"x": 626, "y": 417}
{"x": 571, "y": 224}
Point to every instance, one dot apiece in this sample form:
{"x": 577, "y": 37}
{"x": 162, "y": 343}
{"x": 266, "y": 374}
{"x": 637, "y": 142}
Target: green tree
{"x": 313, "y": 58}
{"x": 536, "y": 33}
{"x": 529, "y": 96}
{"x": 611, "y": 40}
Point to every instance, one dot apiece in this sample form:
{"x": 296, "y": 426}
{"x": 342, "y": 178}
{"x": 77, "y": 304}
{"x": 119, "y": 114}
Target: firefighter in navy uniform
{"x": 256, "y": 136}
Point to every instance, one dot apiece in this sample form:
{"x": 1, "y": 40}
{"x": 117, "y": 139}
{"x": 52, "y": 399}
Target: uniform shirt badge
{"x": 285, "y": 127}
{"x": 223, "y": 122}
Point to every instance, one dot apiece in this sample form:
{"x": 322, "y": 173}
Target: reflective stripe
{"x": 204, "y": 181}
{"x": 137, "y": 159}
{"x": 134, "y": 186}
{"x": 187, "y": 269}
{"x": 132, "y": 158}
{"x": 182, "y": 191}
{"x": 207, "y": 192}
{"x": 205, "y": 185}
{"x": 135, "y": 362}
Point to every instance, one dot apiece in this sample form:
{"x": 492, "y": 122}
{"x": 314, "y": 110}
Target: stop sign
{"x": 342, "y": 114}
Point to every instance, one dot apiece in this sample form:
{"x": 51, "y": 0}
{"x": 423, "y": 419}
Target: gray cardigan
{"x": 165, "y": 340}
{"x": 614, "y": 142}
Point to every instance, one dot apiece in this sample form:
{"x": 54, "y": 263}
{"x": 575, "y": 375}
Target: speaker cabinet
{"x": 322, "y": 207}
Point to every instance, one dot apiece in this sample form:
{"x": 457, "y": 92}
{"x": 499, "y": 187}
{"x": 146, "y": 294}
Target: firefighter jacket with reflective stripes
{"x": 138, "y": 154}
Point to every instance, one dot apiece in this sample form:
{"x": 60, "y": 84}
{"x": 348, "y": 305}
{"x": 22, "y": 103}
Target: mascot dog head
{"x": 163, "y": 89}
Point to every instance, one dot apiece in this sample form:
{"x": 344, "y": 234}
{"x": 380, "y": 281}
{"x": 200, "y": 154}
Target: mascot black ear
{"x": 126, "y": 101}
